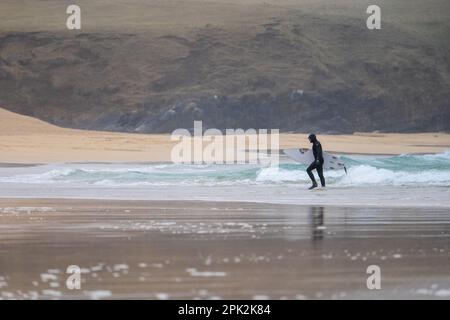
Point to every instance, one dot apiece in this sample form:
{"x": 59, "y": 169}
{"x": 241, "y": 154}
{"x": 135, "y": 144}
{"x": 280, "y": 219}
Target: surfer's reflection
{"x": 317, "y": 222}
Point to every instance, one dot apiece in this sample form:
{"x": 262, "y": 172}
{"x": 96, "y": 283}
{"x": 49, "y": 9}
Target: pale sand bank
{"x": 214, "y": 250}
{"x": 28, "y": 140}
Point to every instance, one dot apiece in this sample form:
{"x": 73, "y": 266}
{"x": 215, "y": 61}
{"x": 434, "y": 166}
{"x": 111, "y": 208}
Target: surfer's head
{"x": 312, "y": 138}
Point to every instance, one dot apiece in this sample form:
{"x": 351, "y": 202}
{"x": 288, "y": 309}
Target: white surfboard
{"x": 331, "y": 162}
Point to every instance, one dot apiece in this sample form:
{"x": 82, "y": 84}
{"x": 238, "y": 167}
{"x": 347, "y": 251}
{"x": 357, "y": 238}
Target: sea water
{"x": 403, "y": 170}
{"x": 405, "y": 180}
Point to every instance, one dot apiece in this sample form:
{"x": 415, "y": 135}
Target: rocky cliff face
{"x": 303, "y": 73}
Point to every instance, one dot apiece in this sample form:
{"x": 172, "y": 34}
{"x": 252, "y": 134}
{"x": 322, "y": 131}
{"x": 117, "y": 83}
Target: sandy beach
{"x": 27, "y": 140}
{"x": 213, "y": 250}
{"x": 140, "y": 227}
{"x": 138, "y": 161}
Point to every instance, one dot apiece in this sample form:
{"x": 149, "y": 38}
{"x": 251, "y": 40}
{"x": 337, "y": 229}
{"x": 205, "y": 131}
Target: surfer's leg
{"x": 320, "y": 172}
{"x": 311, "y": 167}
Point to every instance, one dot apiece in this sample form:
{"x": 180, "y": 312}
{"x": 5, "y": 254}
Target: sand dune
{"x": 14, "y": 124}
{"x": 27, "y": 140}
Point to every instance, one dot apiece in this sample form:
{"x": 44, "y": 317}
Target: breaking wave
{"x": 414, "y": 170}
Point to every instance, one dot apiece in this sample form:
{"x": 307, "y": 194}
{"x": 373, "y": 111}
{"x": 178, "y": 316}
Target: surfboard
{"x": 306, "y": 157}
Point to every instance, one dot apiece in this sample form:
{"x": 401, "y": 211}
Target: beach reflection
{"x": 230, "y": 250}
{"x": 317, "y": 215}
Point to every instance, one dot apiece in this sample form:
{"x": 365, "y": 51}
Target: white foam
{"x": 275, "y": 174}
{"x": 368, "y": 175}
{"x": 361, "y": 175}
{"x": 98, "y": 294}
{"x": 162, "y": 296}
{"x": 442, "y": 293}
{"x": 53, "y": 293}
{"x": 194, "y": 273}
{"x": 120, "y": 267}
{"x": 45, "y": 277}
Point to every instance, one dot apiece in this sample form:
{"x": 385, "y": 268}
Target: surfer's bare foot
{"x": 313, "y": 186}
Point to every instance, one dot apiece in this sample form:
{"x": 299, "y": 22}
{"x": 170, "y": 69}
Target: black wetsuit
{"x": 317, "y": 164}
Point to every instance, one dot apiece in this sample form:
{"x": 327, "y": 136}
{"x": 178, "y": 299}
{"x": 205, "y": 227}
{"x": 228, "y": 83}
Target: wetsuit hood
{"x": 312, "y": 138}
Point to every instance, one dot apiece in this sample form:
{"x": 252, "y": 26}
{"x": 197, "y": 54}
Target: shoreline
{"x": 26, "y": 140}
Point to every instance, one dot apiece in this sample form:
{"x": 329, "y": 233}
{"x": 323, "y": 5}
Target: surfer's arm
{"x": 319, "y": 154}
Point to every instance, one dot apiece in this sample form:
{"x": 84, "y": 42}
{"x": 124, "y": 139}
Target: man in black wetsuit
{"x": 318, "y": 162}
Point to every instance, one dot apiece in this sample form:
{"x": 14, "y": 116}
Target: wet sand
{"x": 213, "y": 250}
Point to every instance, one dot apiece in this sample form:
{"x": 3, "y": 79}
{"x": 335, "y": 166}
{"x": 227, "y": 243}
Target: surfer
{"x": 317, "y": 163}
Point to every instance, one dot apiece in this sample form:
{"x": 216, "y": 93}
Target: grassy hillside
{"x": 154, "y": 66}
